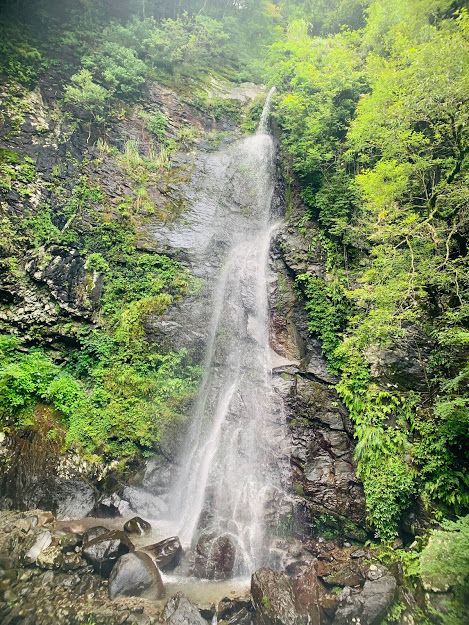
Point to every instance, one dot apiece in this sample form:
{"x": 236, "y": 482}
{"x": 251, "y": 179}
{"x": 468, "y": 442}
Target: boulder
{"x": 377, "y": 595}
{"x": 109, "y": 507}
{"x": 273, "y": 599}
{"x": 103, "y": 552}
{"x": 93, "y": 532}
{"x": 135, "y": 575}
{"x": 180, "y": 611}
{"x": 74, "y": 499}
{"x": 370, "y": 605}
{"x": 166, "y": 553}
{"x": 308, "y": 592}
{"x": 137, "y": 525}
{"x": 234, "y": 611}
{"x": 214, "y": 557}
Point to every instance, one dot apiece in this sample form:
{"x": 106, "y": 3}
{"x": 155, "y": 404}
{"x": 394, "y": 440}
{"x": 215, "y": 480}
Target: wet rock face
{"x": 214, "y": 557}
{"x": 322, "y": 454}
{"x": 273, "y": 599}
{"x": 135, "y": 575}
{"x": 337, "y": 587}
{"x": 235, "y": 611}
{"x": 103, "y": 552}
{"x": 322, "y": 445}
{"x": 166, "y": 553}
{"x": 180, "y": 611}
{"x": 64, "y": 271}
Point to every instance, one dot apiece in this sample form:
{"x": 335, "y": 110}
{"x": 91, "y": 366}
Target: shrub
{"x": 86, "y": 94}
{"x": 119, "y": 69}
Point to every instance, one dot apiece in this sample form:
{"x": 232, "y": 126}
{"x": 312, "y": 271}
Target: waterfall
{"x": 231, "y": 463}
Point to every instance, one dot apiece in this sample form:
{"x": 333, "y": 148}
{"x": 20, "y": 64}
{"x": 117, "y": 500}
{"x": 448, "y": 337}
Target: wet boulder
{"x": 135, "y": 575}
{"x": 166, "y": 553}
{"x": 103, "y": 552}
{"x": 93, "y": 532}
{"x": 273, "y": 599}
{"x": 180, "y": 611}
{"x": 137, "y": 525}
{"x": 214, "y": 557}
{"x": 234, "y": 611}
{"x": 308, "y": 591}
{"x": 369, "y": 606}
{"x": 74, "y": 499}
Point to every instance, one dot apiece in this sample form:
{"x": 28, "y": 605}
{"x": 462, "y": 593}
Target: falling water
{"x": 231, "y": 464}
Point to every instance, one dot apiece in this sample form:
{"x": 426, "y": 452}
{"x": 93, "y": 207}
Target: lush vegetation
{"x": 113, "y": 392}
{"x": 372, "y": 108}
{"x": 374, "y": 123}
{"x": 444, "y": 565}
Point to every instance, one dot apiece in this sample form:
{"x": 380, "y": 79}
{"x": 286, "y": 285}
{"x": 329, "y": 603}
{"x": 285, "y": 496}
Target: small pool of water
{"x": 205, "y": 593}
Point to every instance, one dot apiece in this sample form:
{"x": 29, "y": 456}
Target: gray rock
{"x": 135, "y": 575}
{"x": 180, "y": 611}
{"x": 137, "y": 525}
{"x": 75, "y": 499}
{"x": 372, "y": 603}
{"x": 166, "y": 553}
{"x": 42, "y": 542}
{"x": 273, "y": 599}
{"x": 214, "y": 557}
{"x": 103, "y": 552}
{"x": 377, "y": 596}
{"x": 110, "y": 506}
{"x": 64, "y": 271}
{"x": 93, "y": 533}
{"x": 144, "y": 502}
{"x": 235, "y": 610}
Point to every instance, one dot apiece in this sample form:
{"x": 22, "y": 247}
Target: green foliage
{"x": 16, "y": 172}
{"x": 118, "y": 69}
{"x": 375, "y": 127}
{"x": 157, "y": 124}
{"x": 187, "y": 43}
{"x": 96, "y": 262}
{"x": 444, "y": 564}
{"x": 335, "y": 203}
{"x": 326, "y": 312}
{"x": 85, "y": 94}
{"x": 19, "y": 59}
{"x": 116, "y": 410}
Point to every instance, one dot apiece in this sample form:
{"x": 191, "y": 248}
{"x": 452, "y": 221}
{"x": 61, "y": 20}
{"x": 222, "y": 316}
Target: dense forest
{"x": 370, "y": 112}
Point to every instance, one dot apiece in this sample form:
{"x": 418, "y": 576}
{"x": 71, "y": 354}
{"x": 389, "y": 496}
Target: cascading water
{"x": 232, "y": 464}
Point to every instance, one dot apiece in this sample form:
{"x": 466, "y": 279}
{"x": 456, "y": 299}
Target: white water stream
{"x": 233, "y": 462}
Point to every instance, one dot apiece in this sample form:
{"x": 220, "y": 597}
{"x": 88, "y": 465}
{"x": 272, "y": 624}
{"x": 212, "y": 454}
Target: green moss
{"x": 335, "y": 527}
